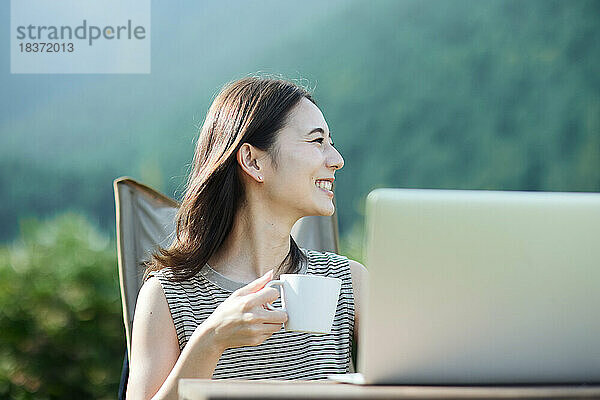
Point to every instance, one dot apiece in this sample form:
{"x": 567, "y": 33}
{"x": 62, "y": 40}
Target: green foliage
{"x": 441, "y": 94}
{"x": 34, "y": 188}
{"x": 61, "y": 332}
{"x": 352, "y": 243}
{"x": 460, "y": 94}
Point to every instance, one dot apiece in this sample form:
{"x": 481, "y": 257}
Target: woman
{"x": 263, "y": 160}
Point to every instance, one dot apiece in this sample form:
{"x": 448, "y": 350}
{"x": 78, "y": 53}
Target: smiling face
{"x": 306, "y": 163}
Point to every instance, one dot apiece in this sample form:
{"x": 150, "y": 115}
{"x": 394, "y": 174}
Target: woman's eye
{"x": 320, "y": 140}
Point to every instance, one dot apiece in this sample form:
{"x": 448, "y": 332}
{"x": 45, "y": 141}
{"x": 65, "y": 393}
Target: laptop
{"x": 480, "y": 287}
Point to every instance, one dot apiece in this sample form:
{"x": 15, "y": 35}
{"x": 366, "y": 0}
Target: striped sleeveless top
{"x": 284, "y": 355}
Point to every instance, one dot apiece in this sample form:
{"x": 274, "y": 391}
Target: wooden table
{"x": 201, "y": 389}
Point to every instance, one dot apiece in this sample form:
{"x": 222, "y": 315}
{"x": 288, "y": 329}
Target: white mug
{"x": 309, "y": 300}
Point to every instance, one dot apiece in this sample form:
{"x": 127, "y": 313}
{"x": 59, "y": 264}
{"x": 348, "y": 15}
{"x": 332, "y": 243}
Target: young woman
{"x": 264, "y": 159}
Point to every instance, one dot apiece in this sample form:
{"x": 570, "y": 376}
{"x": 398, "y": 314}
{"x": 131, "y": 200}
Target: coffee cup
{"x": 309, "y": 300}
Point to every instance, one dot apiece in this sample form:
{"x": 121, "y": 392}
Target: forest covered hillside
{"x": 438, "y": 94}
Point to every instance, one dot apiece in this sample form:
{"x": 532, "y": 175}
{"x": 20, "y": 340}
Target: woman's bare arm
{"x": 156, "y": 363}
{"x": 154, "y": 345}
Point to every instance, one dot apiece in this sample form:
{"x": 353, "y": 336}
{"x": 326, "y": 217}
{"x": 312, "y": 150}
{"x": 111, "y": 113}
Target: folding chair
{"x": 146, "y": 219}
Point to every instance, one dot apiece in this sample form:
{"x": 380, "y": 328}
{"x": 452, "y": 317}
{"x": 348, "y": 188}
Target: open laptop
{"x": 481, "y": 287}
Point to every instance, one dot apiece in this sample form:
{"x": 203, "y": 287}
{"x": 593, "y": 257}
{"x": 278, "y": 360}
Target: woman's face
{"x": 306, "y": 160}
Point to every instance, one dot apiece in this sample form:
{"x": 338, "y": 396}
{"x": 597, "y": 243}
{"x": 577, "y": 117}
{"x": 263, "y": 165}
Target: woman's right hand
{"x": 242, "y": 320}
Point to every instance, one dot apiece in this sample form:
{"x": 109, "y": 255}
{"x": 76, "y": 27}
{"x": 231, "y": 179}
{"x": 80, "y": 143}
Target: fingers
{"x": 263, "y": 296}
{"x": 271, "y": 317}
{"x": 267, "y": 329}
{"x": 256, "y": 285}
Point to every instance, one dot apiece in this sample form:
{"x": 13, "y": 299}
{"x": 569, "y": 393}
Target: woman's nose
{"x": 335, "y": 159}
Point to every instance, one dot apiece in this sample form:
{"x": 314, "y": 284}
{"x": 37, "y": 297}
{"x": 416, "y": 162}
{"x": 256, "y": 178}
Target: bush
{"x": 61, "y": 329}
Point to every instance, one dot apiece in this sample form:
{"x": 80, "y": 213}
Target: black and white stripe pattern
{"x": 285, "y": 355}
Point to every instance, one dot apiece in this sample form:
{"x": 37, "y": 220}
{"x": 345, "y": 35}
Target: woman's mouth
{"x": 326, "y": 186}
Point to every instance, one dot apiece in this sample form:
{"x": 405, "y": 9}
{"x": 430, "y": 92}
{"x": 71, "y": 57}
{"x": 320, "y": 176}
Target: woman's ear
{"x": 249, "y": 158}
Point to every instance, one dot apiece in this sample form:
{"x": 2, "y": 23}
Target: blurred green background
{"x": 500, "y": 94}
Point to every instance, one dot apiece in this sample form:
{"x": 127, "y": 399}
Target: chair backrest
{"x": 146, "y": 219}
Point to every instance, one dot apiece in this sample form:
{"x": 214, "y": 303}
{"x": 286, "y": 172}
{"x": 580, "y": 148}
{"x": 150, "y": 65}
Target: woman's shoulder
{"x": 164, "y": 275}
{"x": 331, "y": 259}
{"x": 327, "y": 259}
{"x": 324, "y": 257}
{"x": 166, "y": 280}
{"x": 329, "y": 256}
{"x": 151, "y": 294}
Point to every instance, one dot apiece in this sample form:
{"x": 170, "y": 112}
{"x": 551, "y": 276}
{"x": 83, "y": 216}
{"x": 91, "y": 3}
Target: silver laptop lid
{"x": 481, "y": 287}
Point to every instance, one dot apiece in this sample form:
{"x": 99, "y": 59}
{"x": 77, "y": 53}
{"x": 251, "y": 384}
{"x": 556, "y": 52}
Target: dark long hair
{"x": 250, "y": 110}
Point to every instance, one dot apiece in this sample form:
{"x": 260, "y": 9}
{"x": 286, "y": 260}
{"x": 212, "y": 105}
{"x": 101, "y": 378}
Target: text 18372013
{"x": 46, "y": 47}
